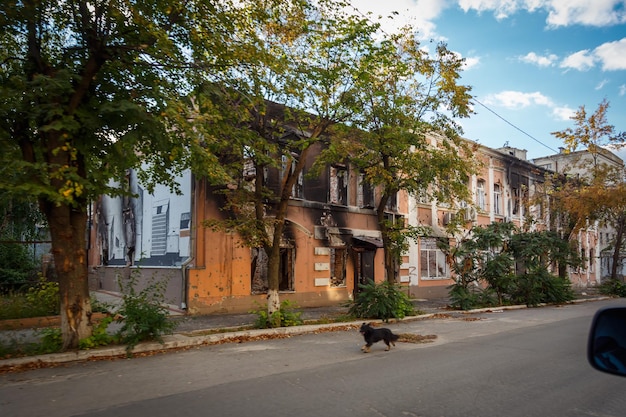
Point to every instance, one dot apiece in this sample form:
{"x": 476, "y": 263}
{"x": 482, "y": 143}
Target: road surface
{"x": 528, "y": 362}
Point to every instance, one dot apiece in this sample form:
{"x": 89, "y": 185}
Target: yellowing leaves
{"x": 71, "y": 190}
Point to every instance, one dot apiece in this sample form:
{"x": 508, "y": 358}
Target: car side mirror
{"x": 606, "y": 348}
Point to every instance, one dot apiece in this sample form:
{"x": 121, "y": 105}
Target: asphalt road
{"x": 528, "y": 362}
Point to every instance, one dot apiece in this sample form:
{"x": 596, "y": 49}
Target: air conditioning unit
{"x": 469, "y": 214}
{"x": 447, "y": 218}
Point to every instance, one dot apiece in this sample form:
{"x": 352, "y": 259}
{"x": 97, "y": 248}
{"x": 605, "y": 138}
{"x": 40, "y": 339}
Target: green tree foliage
{"x": 499, "y": 264}
{"x": 307, "y": 58}
{"x": 87, "y": 91}
{"x": 599, "y": 193}
{"x": 20, "y": 222}
{"x": 404, "y": 137}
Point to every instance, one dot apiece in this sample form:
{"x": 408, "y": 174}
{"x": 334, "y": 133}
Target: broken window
{"x": 392, "y": 202}
{"x": 365, "y": 193}
{"x": 338, "y": 267}
{"x": 259, "y": 270}
{"x": 338, "y": 189}
{"x": 516, "y": 201}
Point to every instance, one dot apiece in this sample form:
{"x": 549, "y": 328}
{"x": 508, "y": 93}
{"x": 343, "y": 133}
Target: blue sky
{"x": 532, "y": 62}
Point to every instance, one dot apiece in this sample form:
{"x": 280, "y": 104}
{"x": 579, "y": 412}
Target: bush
{"x": 541, "y": 287}
{"x": 467, "y": 298}
{"x": 284, "y": 317}
{"x": 99, "y": 336}
{"x": 143, "y": 314}
{"x": 381, "y": 301}
{"x": 45, "y": 295}
{"x": 613, "y": 287}
{"x": 40, "y": 300}
{"x": 17, "y": 267}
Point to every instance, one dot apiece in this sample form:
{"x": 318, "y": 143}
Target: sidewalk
{"x": 222, "y": 328}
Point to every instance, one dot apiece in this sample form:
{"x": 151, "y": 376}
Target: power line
{"x": 515, "y": 127}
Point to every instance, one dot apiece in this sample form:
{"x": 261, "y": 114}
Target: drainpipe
{"x": 189, "y": 261}
{"x": 183, "y": 269}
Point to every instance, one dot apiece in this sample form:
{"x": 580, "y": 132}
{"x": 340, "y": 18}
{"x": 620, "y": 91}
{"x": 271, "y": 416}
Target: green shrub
{"x": 17, "y": 267}
{"x": 284, "y": 317}
{"x": 45, "y": 295}
{"x": 541, "y": 287}
{"x": 99, "y": 336}
{"x": 143, "y": 314}
{"x": 613, "y": 287}
{"x": 381, "y": 301}
{"x": 40, "y": 300}
{"x": 51, "y": 341}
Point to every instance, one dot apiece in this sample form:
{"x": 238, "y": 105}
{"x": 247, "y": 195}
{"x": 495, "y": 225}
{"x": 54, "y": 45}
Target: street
{"x": 528, "y": 362}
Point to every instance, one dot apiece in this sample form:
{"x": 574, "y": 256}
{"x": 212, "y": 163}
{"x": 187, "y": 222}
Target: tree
{"x": 402, "y": 140}
{"x": 89, "y": 89}
{"x": 598, "y": 194}
{"x": 296, "y": 75}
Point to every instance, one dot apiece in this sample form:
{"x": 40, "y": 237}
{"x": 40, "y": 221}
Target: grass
{"x": 17, "y": 306}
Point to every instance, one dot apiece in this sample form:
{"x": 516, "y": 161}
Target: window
{"x": 432, "y": 261}
{"x": 516, "y": 201}
{"x": 338, "y": 267}
{"x": 392, "y": 203}
{"x": 185, "y": 220}
{"x": 297, "y": 189}
{"x": 480, "y": 195}
{"x": 496, "y": 199}
{"x": 365, "y": 193}
{"x": 338, "y": 185}
{"x": 259, "y": 269}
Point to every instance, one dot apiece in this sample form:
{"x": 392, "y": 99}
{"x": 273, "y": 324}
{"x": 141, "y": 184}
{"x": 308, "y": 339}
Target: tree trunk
{"x": 619, "y": 238}
{"x": 273, "y": 278}
{"x": 390, "y": 260}
{"x": 67, "y": 229}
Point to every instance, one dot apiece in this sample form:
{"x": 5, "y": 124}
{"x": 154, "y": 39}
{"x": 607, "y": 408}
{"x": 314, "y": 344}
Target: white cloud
{"x": 563, "y": 113}
{"x": 560, "y": 12}
{"x": 601, "y": 84}
{"x": 581, "y": 60}
{"x": 542, "y": 61}
{"x": 518, "y": 99}
{"x": 501, "y": 8}
{"x": 585, "y": 12}
{"x": 419, "y": 13}
{"x": 612, "y": 55}
{"x": 471, "y": 62}
{"x": 622, "y": 90}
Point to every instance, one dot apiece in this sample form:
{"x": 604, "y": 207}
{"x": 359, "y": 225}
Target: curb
{"x": 200, "y": 338}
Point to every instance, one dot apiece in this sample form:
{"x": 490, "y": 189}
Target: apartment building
{"x": 330, "y": 245}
